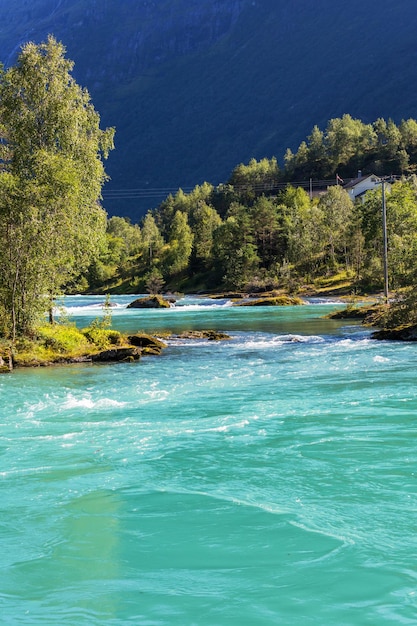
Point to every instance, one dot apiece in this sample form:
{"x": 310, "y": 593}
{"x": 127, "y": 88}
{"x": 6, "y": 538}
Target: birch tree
{"x": 51, "y": 174}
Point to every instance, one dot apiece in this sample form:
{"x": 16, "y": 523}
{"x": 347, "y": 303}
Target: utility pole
{"x": 385, "y": 242}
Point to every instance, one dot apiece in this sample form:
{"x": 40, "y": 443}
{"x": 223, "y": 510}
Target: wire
{"x": 163, "y": 192}
{"x": 137, "y": 193}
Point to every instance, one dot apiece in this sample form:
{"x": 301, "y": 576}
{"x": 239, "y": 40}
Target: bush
{"x": 102, "y": 338}
{"x": 62, "y": 339}
{"x": 402, "y": 311}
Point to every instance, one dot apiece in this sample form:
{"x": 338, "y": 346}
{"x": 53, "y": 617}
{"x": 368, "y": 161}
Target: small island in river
{"x": 61, "y": 345}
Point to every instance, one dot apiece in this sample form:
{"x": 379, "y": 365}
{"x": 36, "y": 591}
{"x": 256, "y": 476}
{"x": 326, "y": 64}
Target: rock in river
{"x": 152, "y": 302}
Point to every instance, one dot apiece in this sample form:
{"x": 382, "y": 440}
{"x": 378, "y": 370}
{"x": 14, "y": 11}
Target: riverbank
{"x": 64, "y": 344}
{"x": 97, "y": 343}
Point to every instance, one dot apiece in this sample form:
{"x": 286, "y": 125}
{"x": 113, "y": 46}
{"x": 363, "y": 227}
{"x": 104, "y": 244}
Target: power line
{"x": 137, "y": 193}
{"x": 158, "y": 192}
{"x": 144, "y": 192}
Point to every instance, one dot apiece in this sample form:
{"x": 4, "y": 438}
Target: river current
{"x": 268, "y": 479}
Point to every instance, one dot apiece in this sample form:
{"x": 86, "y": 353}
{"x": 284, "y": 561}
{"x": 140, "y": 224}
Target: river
{"x": 268, "y": 479}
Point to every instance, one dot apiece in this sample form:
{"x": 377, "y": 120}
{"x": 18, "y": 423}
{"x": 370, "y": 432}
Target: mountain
{"x": 195, "y": 87}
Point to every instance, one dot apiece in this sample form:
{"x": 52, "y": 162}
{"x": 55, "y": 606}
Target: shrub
{"x": 102, "y": 337}
{"x": 62, "y": 339}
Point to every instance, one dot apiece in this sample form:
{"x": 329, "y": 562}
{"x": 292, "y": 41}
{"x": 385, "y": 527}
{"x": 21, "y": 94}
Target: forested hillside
{"x": 258, "y": 233}
{"x": 195, "y": 87}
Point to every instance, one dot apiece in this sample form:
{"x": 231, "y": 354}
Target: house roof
{"x": 360, "y": 179}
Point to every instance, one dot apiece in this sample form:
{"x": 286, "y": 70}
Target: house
{"x": 358, "y": 187}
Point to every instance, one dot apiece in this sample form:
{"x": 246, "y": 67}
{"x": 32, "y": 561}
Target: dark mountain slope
{"x": 195, "y": 87}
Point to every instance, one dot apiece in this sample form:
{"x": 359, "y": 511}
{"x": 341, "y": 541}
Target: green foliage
{"x": 347, "y": 144}
{"x": 402, "y": 311}
{"x": 51, "y": 343}
{"x": 51, "y": 223}
{"x": 337, "y": 211}
{"x": 61, "y": 342}
{"x": 254, "y": 232}
{"x": 281, "y": 241}
{"x": 104, "y": 322}
{"x": 255, "y": 178}
{"x": 62, "y": 338}
{"x": 154, "y": 281}
{"x": 128, "y": 237}
{"x": 100, "y": 273}
{"x": 179, "y": 245}
{"x": 107, "y": 313}
{"x": 401, "y": 206}
{"x": 153, "y": 241}
{"x": 267, "y": 231}
{"x": 204, "y": 221}
{"x": 102, "y": 338}
{"x": 234, "y": 248}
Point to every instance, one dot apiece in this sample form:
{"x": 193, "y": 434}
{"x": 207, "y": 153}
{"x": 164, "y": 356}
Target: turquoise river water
{"x": 268, "y": 479}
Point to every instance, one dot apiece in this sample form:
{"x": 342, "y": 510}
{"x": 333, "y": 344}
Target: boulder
{"x": 147, "y": 343}
{"x": 273, "y": 301}
{"x": 152, "y": 302}
{"x": 210, "y": 335}
{"x": 402, "y": 333}
{"x": 117, "y": 354}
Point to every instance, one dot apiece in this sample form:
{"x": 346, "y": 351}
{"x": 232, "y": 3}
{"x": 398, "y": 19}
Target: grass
{"x": 341, "y": 283}
{"x": 60, "y": 343}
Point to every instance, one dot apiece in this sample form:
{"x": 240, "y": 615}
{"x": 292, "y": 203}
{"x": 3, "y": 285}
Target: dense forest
{"x": 266, "y": 229}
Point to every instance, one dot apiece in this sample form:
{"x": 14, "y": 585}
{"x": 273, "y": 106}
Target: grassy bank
{"x": 58, "y": 344}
